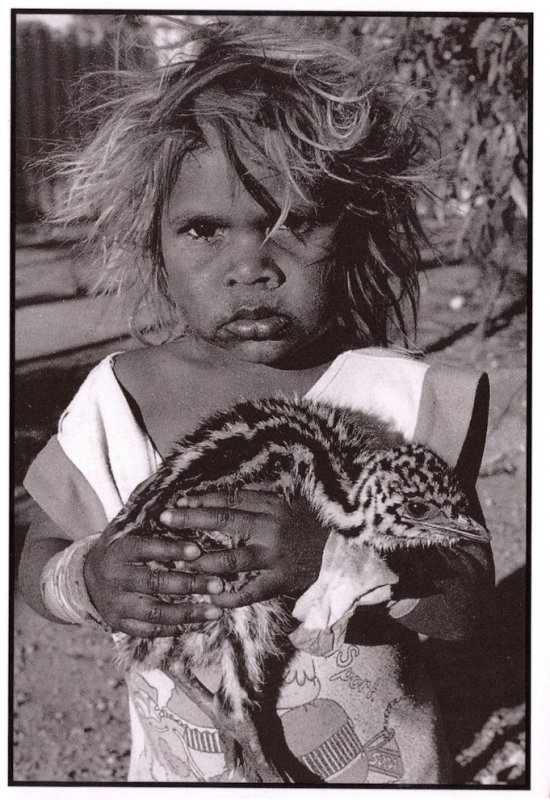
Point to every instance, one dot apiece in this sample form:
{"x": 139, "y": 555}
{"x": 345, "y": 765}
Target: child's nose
{"x": 250, "y": 263}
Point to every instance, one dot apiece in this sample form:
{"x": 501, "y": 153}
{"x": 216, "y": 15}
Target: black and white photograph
{"x": 270, "y": 401}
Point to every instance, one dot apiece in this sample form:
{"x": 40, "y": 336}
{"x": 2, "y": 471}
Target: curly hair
{"x": 347, "y": 144}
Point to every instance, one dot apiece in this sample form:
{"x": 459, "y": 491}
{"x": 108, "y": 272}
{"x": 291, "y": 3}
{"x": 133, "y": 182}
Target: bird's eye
{"x": 417, "y": 509}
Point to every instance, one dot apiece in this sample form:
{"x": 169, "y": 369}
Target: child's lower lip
{"x": 262, "y": 329}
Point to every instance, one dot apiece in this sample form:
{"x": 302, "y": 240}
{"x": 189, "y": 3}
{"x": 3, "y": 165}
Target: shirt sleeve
{"x": 63, "y": 492}
{"x": 86, "y": 473}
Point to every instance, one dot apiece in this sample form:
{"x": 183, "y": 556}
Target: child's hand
{"x": 125, "y": 590}
{"x": 283, "y": 542}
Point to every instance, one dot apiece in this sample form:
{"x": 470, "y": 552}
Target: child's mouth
{"x": 258, "y": 324}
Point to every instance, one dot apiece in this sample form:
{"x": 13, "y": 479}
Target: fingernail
{"x": 166, "y": 517}
{"x": 214, "y": 586}
{"x": 188, "y": 502}
{"x": 212, "y": 612}
{"x": 191, "y": 551}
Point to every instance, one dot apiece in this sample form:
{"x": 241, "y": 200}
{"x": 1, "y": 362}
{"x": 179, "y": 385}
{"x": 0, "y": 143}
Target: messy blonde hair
{"x": 346, "y": 144}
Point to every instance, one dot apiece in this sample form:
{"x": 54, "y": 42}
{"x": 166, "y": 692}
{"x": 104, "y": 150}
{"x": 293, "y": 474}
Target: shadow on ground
{"x": 481, "y": 683}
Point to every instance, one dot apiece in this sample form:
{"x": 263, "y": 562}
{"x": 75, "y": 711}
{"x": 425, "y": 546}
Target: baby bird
{"x": 365, "y": 483}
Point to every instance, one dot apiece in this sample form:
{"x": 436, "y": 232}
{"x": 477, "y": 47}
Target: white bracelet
{"x": 63, "y": 587}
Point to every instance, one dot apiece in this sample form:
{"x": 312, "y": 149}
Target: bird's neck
{"x": 283, "y": 447}
{"x": 319, "y": 477}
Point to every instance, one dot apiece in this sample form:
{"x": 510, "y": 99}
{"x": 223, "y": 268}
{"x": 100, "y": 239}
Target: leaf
{"x": 508, "y": 142}
{"x": 480, "y": 58}
{"x": 482, "y": 33}
{"x": 464, "y": 159}
{"x": 505, "y": 45}
{"x": 493, "y": 69}
{"x": 461, "y": 235}
{"x": 421, "y": 71}
{"x": 438, "y": 26}
{"x": 517, "y": 193}
{"x": 521, "y": 33}
{"x": 429, "y": 52}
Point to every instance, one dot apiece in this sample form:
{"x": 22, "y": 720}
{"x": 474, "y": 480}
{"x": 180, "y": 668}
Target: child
{"x": 257, "y": 201}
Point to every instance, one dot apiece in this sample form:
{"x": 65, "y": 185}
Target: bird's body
{"x": 361, "y": 478}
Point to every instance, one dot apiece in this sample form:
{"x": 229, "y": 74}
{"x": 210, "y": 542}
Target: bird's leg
{"x": 253, "y": 754}
{"x": 229, "y": 747}
{"x": 245, "y": 733}
{"x": 195, "y": 690}
{"x": 206, "y": 701}
{"x": 232, "y": 731}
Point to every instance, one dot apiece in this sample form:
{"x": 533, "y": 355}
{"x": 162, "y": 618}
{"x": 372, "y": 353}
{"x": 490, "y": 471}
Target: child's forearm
{"x": 453, "y": 615}
{"x": 459, "y": 601}
{"x": 44, "y": 539}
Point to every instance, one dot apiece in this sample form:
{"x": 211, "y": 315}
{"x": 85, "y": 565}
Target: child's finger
{"x": 155, "y": 581}
{"x": 143, "y": 549}
{"x": 254, "y": 500}
{"x": 223, "y": 562}
{"x": 142, "y": 630}
{"x": 228, "y": 520}
{"x": 262, "y": 587}
{"x": 159, "y": 614}
{"x": 146, "y": 630}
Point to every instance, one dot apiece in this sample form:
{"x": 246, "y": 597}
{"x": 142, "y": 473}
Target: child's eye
{"x": 202, "y": 229}
{"x": 295, "y": 224}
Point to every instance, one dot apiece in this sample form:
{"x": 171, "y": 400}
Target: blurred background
{"x": 473, "y": 73}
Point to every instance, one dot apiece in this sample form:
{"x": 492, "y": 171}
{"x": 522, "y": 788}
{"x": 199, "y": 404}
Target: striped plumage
{"x": 360, "y": 477}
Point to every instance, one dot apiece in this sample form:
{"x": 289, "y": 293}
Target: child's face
{"x": 265, "y": 301}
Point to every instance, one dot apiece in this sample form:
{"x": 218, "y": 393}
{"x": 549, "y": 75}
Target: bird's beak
{"x": 462, "y": 526}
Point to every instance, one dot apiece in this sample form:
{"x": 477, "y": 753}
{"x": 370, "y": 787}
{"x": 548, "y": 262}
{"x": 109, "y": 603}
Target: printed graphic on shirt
{"x": 322, "y": 735}
{"x": 325, "y": 732}
{"x": 355, "y": 680}
{"x": 175, "y": 749}
{"x": 343, "y": 740}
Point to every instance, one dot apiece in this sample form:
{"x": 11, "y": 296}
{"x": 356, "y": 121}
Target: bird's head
{"x": 408, "y": 496}
{"x": 405, "y": 496}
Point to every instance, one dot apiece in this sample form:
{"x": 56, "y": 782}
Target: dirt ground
{"x": 70, "y": 720}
